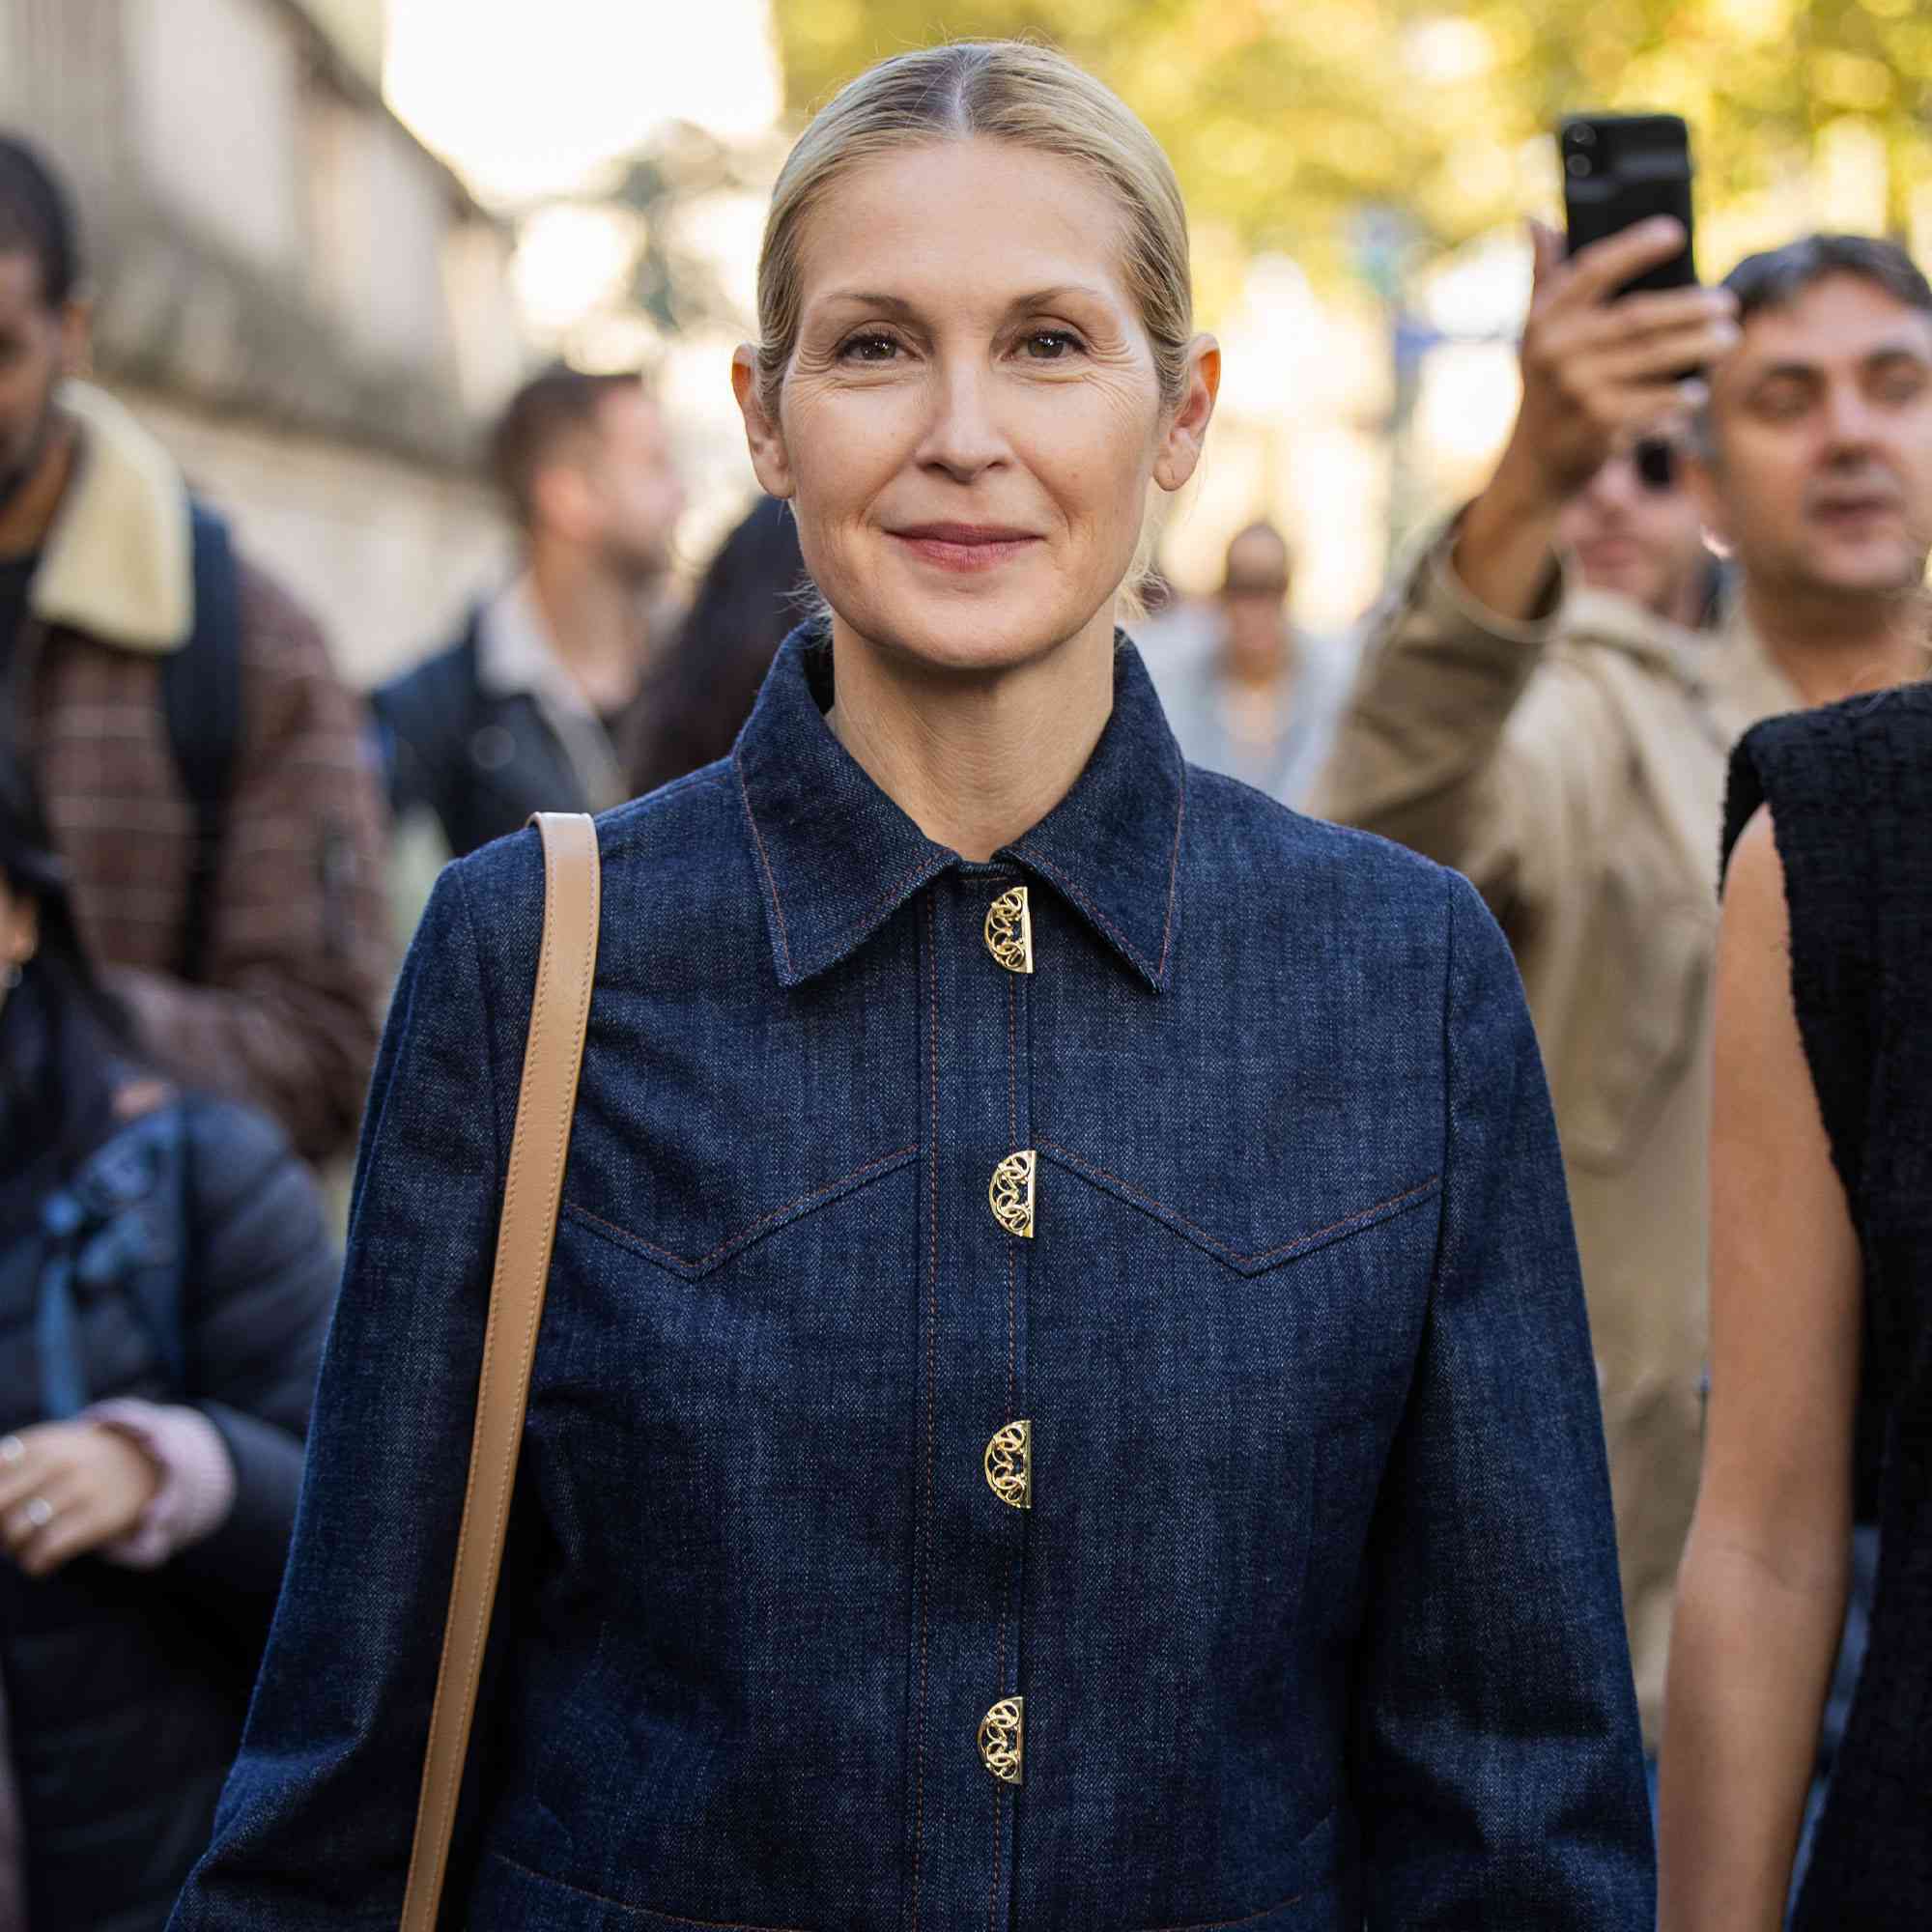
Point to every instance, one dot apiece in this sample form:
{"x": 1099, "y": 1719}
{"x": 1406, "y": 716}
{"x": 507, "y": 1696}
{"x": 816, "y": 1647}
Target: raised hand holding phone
{"x": 1599, "y": 369}
{"x": 1621, "y": 170}
{"x": 1599, "y": 366}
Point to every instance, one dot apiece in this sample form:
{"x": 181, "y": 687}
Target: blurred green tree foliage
{"x": 1286, "y": 118}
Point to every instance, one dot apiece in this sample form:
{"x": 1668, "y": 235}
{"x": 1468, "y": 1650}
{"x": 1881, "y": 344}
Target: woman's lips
{"x": 963, "y": 547}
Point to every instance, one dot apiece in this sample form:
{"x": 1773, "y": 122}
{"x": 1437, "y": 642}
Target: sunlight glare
{"x": 527, "y": 100}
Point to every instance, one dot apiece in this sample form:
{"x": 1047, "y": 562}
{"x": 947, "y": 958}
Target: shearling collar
{"x": 119, "y": 562}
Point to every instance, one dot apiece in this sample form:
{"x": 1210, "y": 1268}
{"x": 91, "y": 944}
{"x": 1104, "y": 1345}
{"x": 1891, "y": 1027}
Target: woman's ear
{"x": 761, "y": 433}
{"x": 1180, "y": 443}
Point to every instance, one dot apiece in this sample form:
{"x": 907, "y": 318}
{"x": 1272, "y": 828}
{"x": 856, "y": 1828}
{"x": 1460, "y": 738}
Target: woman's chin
{"x": 993, "y": 630}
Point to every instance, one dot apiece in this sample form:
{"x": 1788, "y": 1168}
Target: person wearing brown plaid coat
{"x": 292, "y": 959}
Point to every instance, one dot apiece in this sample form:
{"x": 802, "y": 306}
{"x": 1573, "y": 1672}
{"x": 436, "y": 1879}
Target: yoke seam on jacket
{"x": 750, "y": 1228}
{"x": 1201, "y": 1234}
{"x": 1246, "y": 1919}
{"x": 641, "y": 1910}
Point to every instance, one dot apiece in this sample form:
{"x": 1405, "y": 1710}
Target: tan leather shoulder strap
{"x": 552, "y": 1055}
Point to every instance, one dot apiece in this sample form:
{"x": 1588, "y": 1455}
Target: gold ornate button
{"x": 1009, "y": 1464}
{"x": 1002, "y": 1738}
{"x": 1009, "y": 930}
{"x": 1011, "y": 1194}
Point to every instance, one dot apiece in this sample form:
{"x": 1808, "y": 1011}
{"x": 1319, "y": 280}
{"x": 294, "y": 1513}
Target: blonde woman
{"x": 1064, "y": 1401}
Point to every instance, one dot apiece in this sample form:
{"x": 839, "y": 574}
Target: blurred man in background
{"x": 201, "y": 768}
{"x": 537, "y": 706}
{"x": 1566, "y": 746}
{"x": 1246, "y": 692}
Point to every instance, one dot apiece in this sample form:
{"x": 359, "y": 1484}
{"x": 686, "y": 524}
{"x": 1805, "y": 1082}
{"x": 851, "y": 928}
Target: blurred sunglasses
{"x": 1657, "y": 464}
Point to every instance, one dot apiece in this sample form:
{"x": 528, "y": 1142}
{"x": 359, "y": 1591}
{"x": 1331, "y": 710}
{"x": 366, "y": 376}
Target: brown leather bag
{"x": 533, "y": 1188}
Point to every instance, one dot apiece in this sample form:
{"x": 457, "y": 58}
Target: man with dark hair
{"x": 536, "y": 705}
{"x": 1566, "y": 748}
{"x": 200, "y": 766}
{"x": 1814, "y": 469}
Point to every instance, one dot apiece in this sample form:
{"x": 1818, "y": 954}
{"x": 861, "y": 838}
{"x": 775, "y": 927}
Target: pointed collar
{"x": 837, "y": 857}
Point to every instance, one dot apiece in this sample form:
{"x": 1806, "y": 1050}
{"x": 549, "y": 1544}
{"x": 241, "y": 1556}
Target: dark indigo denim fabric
{"x": 1315, "y": 1612}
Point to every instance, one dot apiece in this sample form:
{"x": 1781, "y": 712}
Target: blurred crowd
{"x": 198, "y": 900}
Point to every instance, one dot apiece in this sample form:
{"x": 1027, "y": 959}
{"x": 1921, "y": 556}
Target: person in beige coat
{"x": 1565, "y": 744}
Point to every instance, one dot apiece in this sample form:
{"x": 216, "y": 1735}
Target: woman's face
{"x": 971, "y": 417}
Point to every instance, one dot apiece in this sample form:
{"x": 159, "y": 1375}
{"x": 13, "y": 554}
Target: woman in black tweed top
{"x": 1821, "y": 1324}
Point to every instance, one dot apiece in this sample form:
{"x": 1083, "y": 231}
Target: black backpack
{"x": 201, "y": 697}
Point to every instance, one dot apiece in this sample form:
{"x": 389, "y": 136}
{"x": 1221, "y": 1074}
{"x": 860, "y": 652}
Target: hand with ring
{"x": 68, "y": 1488}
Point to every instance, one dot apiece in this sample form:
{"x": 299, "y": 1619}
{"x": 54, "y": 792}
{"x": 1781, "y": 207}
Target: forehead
{"x": 630, "y": 415}
{"x": 1837, "y": 323}
{"x": 960, "y": 224}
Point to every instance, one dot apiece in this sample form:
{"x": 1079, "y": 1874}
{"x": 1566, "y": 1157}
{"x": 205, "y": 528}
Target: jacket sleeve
{"x": 297, "y": 950}
{"x": 315, "y": 1824}
{"x": 262, "y": 1279}
{"x": 1497, "y": 1763}
{"x": 415, "y": 716}
{"x": 1425, "y": 754}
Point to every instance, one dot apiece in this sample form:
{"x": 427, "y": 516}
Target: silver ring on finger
{"x": 12, "y": 1449}
{"x": 39, "y": 1511}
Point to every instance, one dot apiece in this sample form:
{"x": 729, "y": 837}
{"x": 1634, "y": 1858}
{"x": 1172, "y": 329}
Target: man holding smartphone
{"x": 1567, "y": 749}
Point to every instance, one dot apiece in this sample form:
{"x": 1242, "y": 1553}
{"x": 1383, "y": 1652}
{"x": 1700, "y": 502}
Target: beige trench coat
{"x": 1575, "y": 769}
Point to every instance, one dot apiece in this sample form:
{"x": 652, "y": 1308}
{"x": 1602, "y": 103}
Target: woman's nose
{"x": 963, "y": 434}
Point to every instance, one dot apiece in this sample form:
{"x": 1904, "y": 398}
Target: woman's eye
{"x": 868, "y": 348}
{"x": 1051, "y": 345}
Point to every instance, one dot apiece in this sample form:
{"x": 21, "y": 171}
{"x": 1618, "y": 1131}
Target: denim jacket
{"x": 1065, "y": 1398}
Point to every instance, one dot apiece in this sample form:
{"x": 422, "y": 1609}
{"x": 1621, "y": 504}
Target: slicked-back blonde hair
{"x": 1002, "y": 91}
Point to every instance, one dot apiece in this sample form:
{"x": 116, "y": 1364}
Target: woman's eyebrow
{"x": 894, "y": 306}
{"x": 906, "y": 311}
{"x": 1046, "y": 298}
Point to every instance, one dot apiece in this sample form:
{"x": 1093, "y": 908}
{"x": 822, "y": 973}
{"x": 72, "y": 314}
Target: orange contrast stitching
{"x": 1088, "y": 906}
{"x": 1172, "y": 868}
{"x": 1248, "y": 1919}
{"x": 764, "y": 1220}
{"x": 1206, "y": 1239}
{"x": 642, "y": 1911}
{"x": 764, "y": 859}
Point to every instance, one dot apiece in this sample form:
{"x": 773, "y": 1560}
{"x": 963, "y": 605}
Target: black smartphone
{"x": 1620, "y": 169}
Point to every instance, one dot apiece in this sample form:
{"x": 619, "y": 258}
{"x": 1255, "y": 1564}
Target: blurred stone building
{"x": 291, "y": 290}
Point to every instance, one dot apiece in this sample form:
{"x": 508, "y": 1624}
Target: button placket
{"x": 1008, "y": 1462}
{"x": 966, "y": 1657}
